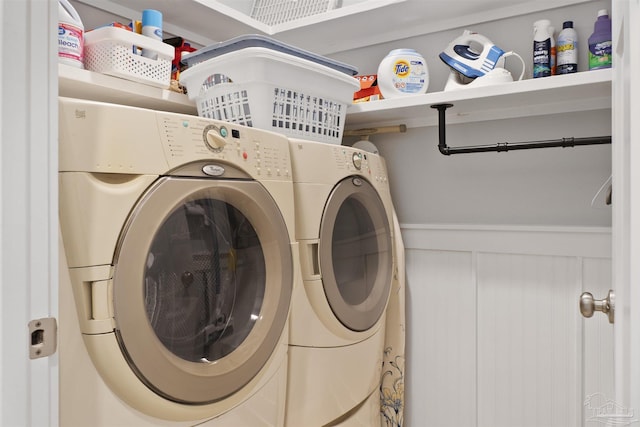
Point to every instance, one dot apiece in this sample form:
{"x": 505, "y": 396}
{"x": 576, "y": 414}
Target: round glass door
{"x": 355, "y": 253}
{"x": 204, "y": 280}
{"x": 202, "y": 286}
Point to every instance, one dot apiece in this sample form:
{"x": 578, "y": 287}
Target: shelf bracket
{"x": 506, "y": 146}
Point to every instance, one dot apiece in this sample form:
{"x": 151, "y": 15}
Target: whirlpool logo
{"x": 213, "y": 170}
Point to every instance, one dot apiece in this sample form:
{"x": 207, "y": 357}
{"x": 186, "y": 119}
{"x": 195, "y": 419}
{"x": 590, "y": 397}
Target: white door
{"x": 624, "y": 408}
{"x": 626, "y": 219}
{"x": 610, "y": 365}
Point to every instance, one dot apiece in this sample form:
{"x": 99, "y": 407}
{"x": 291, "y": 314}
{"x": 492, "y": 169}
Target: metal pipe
{"x": 505, "y": 146}
{"x": 442, "y": 134}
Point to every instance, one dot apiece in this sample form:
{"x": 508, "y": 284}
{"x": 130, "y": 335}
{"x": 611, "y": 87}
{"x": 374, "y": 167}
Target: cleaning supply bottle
{"x": 544, "y": 49}
{"x": 402, "y": 72}
{"x": 567, "y": 49}
{"x": 70, "y": 35}
{"x": 151, "y": 27}
{"x": 600, "y": 42}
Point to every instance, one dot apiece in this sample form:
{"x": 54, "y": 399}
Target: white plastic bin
{"x": 114, "y": 51}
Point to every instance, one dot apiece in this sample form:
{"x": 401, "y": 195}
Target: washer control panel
{"x": 190, "y": 138}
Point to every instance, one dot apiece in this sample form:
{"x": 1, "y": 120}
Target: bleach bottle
{"x": 600, "y": 42}
{"x": 544, "y": 49}
{"x": 70, "y": 35}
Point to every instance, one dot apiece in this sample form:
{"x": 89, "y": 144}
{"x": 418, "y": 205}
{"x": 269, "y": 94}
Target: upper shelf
{"x": 366, "y": 23}
{"x": 84, "y": 84}
{"x": 584, "y": 91}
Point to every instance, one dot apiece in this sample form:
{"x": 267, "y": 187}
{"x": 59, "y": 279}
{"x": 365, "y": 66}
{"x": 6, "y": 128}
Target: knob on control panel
{"x": 357, "y": 160}
{"x": 213, "y": 138}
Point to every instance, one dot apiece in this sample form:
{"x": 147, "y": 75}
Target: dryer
{"x": 345, "y": 234}
{"x": 177, "y": 269}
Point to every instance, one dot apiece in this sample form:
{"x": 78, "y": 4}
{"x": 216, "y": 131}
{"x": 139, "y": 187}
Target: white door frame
{"x": 28, "y": 207}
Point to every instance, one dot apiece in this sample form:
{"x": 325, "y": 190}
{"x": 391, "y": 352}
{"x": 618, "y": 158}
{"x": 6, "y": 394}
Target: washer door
{"x": 355, "y": 253}
{"x": 202, "y": 285}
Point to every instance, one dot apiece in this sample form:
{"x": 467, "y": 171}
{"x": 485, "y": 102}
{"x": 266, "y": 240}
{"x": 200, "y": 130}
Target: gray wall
{"x": 537, "y": 187}
{"x": 552, "y": 186}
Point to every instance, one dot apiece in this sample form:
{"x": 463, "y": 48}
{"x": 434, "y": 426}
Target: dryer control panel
{"x": 357, "y": 161}
{"x": 328, "y": 163}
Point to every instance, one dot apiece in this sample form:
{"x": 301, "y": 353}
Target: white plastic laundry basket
{"x": 271, "y": 90}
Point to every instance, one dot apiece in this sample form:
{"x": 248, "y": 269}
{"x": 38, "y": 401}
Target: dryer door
{"x": 202, "y": 285}
{"x": 355, "y": 253}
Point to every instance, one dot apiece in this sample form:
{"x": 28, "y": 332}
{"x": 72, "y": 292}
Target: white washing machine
{"x": 345, "y": 234}
{"x": 177, "y": 269}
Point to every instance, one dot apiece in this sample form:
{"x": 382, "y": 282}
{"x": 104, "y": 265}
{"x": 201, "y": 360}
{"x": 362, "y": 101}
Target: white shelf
{"x": 363, "y": 24}
{"x": 585, "y": 91}
{"x": 84, "y": 84}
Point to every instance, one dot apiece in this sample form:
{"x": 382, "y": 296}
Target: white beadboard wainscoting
{"x": 495, "y": 336}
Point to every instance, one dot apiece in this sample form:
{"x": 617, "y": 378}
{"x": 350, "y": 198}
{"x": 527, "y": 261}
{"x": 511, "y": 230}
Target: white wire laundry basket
{"x": 273, "y": 12}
